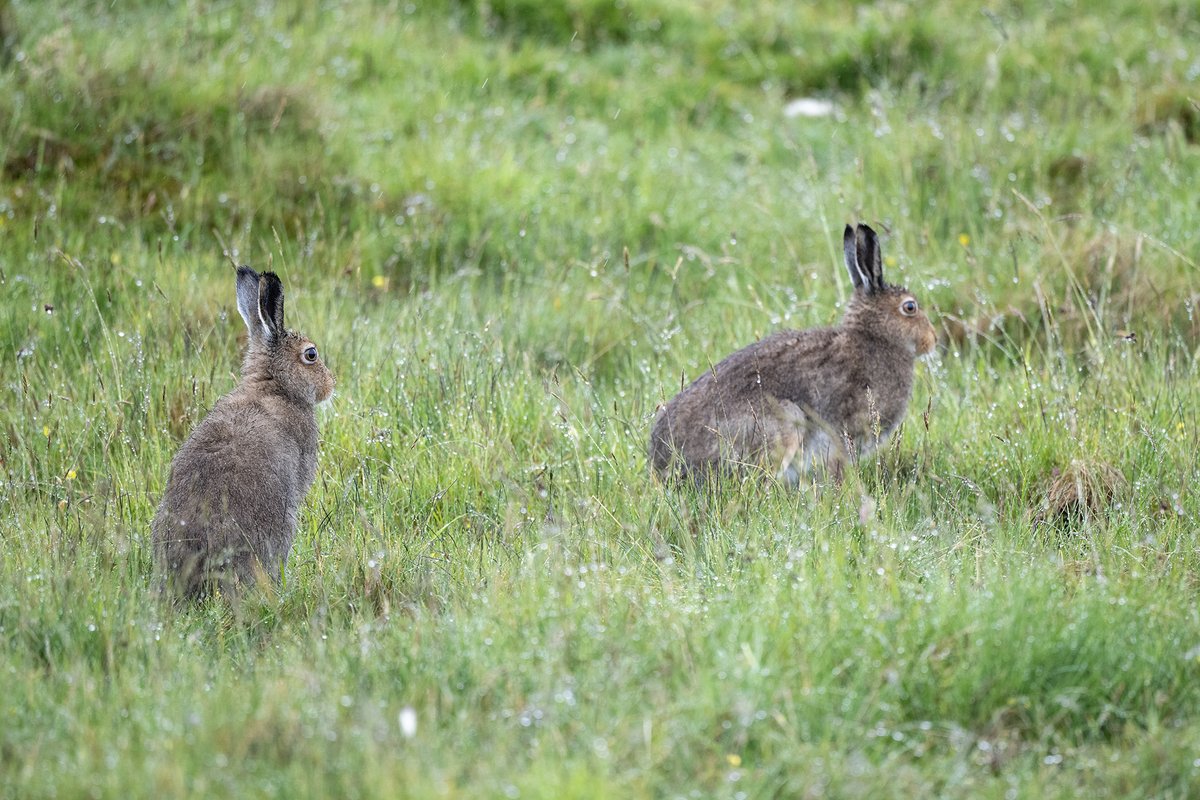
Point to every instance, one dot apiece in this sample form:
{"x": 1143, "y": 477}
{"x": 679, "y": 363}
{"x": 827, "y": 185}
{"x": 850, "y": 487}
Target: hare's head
{"x": 878, "y": 308}
{"x": 286, "y": 360}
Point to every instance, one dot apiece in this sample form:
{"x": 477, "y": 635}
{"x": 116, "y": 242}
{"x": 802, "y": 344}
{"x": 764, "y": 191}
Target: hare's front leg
{"x": 836, "y": 458}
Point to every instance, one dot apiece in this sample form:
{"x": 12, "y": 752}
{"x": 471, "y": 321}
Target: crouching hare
{"x": 228, "y": 515}
{"x": 802, "y": 399}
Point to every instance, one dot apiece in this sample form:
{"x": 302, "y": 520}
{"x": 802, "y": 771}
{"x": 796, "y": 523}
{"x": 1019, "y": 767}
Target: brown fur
{"x": 228, "y": 515}
{"x": 798, "y": 399}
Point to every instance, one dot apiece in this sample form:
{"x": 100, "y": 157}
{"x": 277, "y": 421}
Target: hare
{"x": 228, "y": 514}
{"x": 798, "y": 400}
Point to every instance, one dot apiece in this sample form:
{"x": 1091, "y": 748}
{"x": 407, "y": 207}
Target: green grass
{"x": 514, "y": 227}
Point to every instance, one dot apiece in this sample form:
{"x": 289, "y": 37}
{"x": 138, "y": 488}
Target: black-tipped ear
{"x": 247, "y": 300}
{"x": 870, "y": 258}
{"x": 270, "y": 304}
{"x": 858, "y": 275}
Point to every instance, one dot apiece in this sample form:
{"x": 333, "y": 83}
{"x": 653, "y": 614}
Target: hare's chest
{"x": 883, "y": 403}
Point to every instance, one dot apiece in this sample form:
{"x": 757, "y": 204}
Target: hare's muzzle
{"x": 927, "y": 341}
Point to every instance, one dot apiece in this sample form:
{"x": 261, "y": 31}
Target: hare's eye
{"x": 908, "y": 307}
{"x": 309, "y": 355}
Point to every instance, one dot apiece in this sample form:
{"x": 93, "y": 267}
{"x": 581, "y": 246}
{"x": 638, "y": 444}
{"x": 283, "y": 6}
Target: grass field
{"x": 514, "y": 227}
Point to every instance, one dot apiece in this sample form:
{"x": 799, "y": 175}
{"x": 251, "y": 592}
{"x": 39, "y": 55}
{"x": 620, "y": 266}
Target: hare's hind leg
{"x": 184, "y": 577}
{"x": 788, "y": 434}
{"x": 769, "y": 436}
{"x": 232, "y": 563}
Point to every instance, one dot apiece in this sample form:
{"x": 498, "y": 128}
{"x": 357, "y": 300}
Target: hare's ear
{"x": 247, "y": 301}
{"x": 859, "y": 276}
{"x": 870, "y": 259}
{"x": 270, "y": 305}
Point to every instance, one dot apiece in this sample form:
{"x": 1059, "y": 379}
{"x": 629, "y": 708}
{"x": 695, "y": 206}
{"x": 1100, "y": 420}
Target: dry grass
{"x": 1080, "y": 492}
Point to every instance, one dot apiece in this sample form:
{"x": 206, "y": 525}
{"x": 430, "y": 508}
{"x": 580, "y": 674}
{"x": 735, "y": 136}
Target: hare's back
{"x": 786, "y": 365}
{"x": 236, "y": 461}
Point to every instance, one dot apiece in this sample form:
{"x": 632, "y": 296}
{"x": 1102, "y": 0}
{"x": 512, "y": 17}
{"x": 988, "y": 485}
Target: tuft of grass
{"x": 1080, "y": 492}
